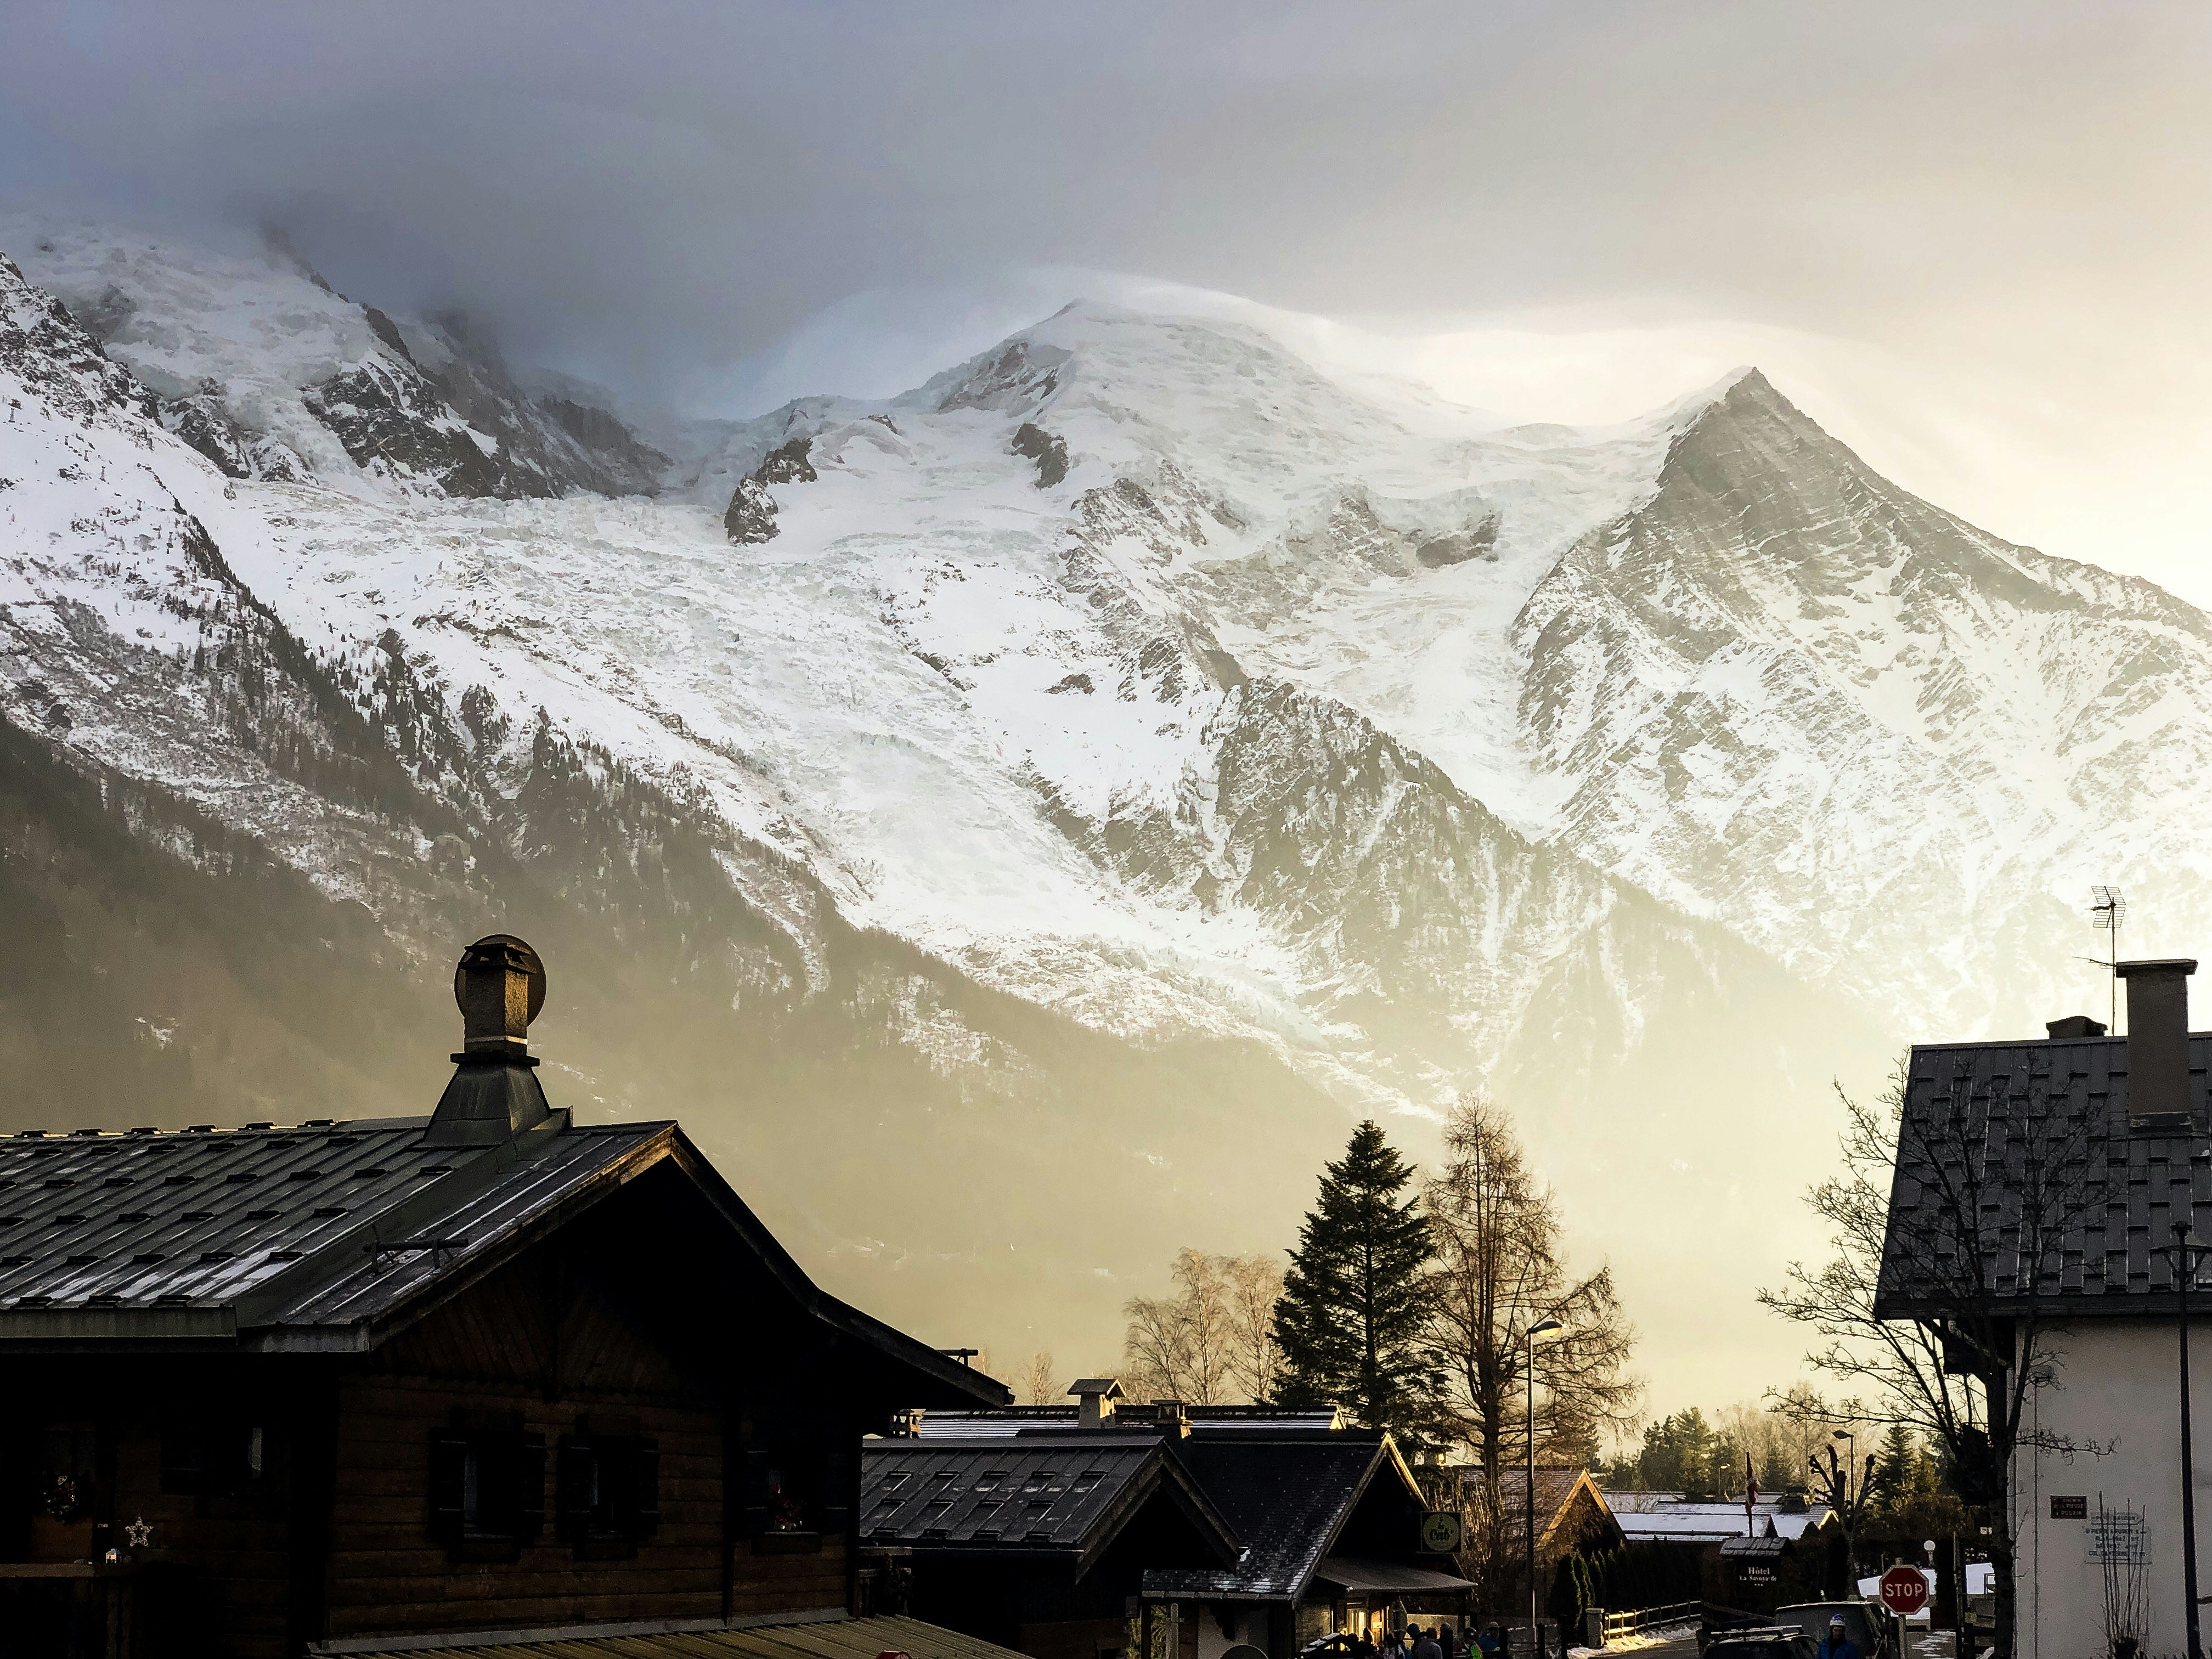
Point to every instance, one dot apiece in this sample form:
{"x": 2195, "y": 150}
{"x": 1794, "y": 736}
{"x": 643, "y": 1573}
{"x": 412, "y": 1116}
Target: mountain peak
{"x": 1741, "y": 386}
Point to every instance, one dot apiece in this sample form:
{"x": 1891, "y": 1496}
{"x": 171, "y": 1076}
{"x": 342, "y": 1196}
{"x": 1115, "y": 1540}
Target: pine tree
{"x": 1353, "y": 1313}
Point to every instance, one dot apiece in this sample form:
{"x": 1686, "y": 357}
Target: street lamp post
{"x": 1542, "y": 1327}
{"x": 2187, "y": 1255}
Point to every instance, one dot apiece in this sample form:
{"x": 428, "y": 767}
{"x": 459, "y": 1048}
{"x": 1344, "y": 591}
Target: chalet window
{"x": 217, "y": 1461}
{"x": 801, "y": 1490}
{"x": 609, "y": 1488}
{"x": 486, "y": 1485}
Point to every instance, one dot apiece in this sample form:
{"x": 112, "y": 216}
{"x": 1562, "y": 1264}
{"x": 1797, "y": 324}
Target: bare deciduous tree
{"x": 1040, "y": 1384}
{"x": 1500, "y": 1270}
{"x": 1957, "y": 1339}
{"x": 1253, "y": 1285}
{"x": 1209, "y": 1338}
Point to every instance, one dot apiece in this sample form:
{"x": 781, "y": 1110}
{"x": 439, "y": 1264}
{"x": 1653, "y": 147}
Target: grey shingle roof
{"x": 2136, "y": 1181}
{"x": 1287, "y": 1495}
{"x": 1037, "y": 1493}
{"x": 228, "y": 1229}
{"x": 1213, "y": 1420}
{"x": 327, "y": 1235}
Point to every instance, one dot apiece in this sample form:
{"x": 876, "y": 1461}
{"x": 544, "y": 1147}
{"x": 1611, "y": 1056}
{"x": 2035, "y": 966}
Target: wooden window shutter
{"x": 645, "y": 1477}
{"x": 577, "y": 1464}
{"x": 529, "y": 1483}
{"x": 449, "y": 1467}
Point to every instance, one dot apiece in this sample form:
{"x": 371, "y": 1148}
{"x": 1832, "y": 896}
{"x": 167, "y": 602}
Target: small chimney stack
{"x": 499, "y": 986}
{"x": 2073, "y": 1028}
{"x": 1098, "y": 1395}
{"x": 2158, "y": 1042}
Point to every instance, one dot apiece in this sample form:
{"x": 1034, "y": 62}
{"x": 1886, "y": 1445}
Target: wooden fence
{"x": 1644, "y": 1619}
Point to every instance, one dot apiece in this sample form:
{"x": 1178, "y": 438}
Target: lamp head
{"x": 1545, "y": 1328}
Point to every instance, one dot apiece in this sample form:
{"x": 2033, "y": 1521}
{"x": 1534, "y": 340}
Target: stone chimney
{"x": 2158, "y": 1042}
{"x": 1096, "y": 1395}
{"x": 499, "y": 986}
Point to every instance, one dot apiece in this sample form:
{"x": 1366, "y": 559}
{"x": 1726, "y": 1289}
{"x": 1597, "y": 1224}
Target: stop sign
{"x": 1904, "y": 1590}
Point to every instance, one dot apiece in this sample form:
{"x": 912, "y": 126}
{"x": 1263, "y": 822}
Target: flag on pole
{"x": 1750, "y": 1497}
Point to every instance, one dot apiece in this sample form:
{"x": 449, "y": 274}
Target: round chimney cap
{"x": 536, "y": 972}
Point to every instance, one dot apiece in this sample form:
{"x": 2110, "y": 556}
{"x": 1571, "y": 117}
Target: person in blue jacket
{"x": 1837, "y": 1644}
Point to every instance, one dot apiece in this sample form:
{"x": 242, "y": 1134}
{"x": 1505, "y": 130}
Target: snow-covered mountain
{"x": 1128, "y": 754}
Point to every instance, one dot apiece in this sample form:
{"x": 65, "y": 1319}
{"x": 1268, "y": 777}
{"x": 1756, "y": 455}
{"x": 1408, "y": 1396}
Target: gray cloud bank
{"x": 660, "y": 195}
{"x": 634, "y": 185}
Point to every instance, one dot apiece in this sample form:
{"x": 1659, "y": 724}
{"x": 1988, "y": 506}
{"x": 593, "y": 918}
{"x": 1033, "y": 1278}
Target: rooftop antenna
{"x": 2109, "y": 909}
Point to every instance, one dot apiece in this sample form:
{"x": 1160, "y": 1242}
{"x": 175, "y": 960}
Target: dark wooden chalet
{"x": 1318, "y": 1527}
{"x": 1041, "y": 1542}
{"x": 1331, "y": 1523}
{"x": 353, "y": 1387}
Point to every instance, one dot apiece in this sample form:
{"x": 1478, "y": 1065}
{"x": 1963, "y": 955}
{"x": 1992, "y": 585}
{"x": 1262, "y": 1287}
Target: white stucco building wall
{"x": 2118, "y": 1396}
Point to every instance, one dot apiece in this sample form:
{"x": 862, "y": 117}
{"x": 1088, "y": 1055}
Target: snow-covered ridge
{"x": 260, "y": 365}
{"x": 1219, "y": 510}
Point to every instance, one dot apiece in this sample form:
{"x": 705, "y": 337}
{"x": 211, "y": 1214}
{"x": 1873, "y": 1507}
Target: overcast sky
{"x": 1971, "y": 238}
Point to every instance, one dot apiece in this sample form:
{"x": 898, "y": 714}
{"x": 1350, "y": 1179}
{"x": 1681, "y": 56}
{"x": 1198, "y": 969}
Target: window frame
{"x": 608, "y": 1485}
{"x": 487, "y": 1486}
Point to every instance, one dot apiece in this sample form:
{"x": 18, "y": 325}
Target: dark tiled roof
{"x": 1755, "y": 1549}
{"x": 2134, "y": 1182}
{"x": 327, "y": 1236}
{"x": 1013, "y": 1419}
{"x": 1039, "y": 1494}
{"x": 314, "y": 1224}
{"x": 1390, "y": 1577}
{"x": 1287, "y": 1495}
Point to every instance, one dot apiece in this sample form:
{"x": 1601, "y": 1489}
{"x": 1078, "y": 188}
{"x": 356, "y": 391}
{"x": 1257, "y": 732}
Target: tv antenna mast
{"x": 2109, "y": 908}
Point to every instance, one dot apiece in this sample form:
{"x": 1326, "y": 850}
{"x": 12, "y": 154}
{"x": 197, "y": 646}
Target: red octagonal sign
{"x": 1904, "y": 1590}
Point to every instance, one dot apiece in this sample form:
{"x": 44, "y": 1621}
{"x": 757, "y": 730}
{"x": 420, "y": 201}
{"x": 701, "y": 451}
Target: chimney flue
{"x": 500, "y": 986}
{"x": 1098, "y": 1395}
{"x": 2158, "y": 1042}
{"x": 2074, "y": 1027}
